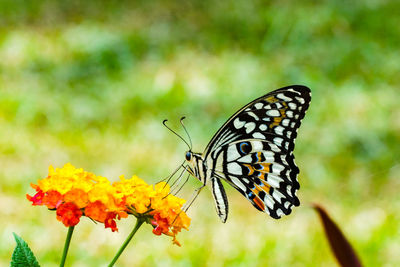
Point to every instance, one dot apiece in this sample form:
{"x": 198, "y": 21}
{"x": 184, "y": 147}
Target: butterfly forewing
{"x": 253, "y": 150}
{"x": 275, "y": 116}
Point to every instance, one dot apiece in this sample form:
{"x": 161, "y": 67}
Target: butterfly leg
{"x": 169, "y": 177}
{"x": 176, "y": 184}
{"x": 193, "y": 198}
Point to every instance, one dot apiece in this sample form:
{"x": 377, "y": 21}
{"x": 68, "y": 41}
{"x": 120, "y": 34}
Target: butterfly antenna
{"x": 164, "y": 122}
{"x": 187, "y": 133}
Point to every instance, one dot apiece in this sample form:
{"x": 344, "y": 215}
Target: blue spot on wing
{"x": 251, "y": 195}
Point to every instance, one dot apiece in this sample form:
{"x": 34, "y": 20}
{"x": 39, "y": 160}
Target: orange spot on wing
{"x": 277, "y": 120}
{"x": 265, "y": 167}
{"x": 282, "y": 111}
{"x": 259, "y": 203}
{"x": 250, "y": 167}
{"x": 272, "y": 99}
{"x": 266, "y": 187}
{"x": 257, "y": 199}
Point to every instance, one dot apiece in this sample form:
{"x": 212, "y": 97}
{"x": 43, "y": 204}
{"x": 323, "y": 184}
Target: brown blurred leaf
{"x": 341, "y": 248}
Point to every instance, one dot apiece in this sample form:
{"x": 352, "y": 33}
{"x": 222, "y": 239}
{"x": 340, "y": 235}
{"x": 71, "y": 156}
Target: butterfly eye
{"x": 188, "y": 156}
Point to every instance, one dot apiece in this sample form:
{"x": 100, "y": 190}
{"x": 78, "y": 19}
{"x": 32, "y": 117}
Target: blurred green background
{"x": 90, "y": 83}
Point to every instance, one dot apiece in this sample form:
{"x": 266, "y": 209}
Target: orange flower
{"x": 52, "y": 199}
{"x": 96, "y": 211}
{"x": 77, "y": 196}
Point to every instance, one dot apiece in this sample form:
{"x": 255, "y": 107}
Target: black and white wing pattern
{"x": 253, "y": 152}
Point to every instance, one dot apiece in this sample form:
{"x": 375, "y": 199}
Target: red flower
{"x": 69, "y": 214}
{"x": 110, "y": 222}
{"x": 37, "y": 198}
{"x": 161, "y": 225}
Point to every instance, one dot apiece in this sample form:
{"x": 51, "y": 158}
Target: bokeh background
{"x": 89, "y": 82}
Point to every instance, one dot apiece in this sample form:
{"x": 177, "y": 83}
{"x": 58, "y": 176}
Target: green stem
{"x": 66, "y": 245}
{"x": 139, "y": 223}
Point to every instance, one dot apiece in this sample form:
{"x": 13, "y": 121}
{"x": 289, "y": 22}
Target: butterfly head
{"x": 189, "y": 155}
{"x": 190, "y": 160}
{"x": 195, "y": 164}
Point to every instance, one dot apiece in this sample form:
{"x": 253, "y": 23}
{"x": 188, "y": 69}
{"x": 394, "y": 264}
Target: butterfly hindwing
{"x": 253, "y": 150}
{"x": 220, "y": 198}
{"x": 264, "y": 173}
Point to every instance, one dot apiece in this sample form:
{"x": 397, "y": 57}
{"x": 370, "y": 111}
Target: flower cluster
{"x": 154, "y": 203}
{"x": 74, "y": 193}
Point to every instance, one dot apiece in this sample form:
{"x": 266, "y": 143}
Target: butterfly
{"x": 253, "y": 152}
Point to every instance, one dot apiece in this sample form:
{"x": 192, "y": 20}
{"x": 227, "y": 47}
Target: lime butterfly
{"x": 253, "y": 152}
